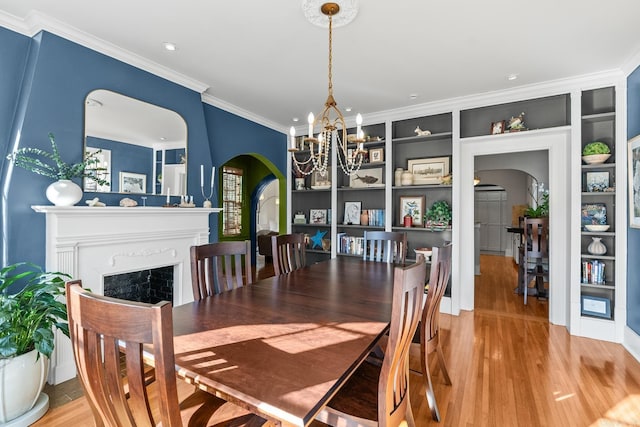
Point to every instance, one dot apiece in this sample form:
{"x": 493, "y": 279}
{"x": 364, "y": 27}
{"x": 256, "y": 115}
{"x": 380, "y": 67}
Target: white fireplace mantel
{"x": 89, "y": 243}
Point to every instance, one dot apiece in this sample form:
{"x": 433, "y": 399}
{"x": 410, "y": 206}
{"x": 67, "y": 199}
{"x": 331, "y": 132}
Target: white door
{"x": 489, "y": 212}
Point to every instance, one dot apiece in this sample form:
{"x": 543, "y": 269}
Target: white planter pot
{"x": 21, "y": 381}
{"x": 64, "y": 192}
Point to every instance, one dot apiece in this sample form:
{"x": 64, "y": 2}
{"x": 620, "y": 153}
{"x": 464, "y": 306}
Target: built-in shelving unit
{"x": 598, "y": 123}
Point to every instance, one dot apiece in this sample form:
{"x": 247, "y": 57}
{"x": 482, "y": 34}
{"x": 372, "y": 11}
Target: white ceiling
{"x": 264, "y": 57}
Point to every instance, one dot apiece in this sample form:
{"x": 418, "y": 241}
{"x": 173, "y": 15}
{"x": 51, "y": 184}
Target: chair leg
{"x": 431, "y": 398}
{"x": 442, "y": 365}
{"x": 525, "y": 283}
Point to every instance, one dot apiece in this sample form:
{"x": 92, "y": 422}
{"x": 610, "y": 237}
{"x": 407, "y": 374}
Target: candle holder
{"x": 207, "y": 200}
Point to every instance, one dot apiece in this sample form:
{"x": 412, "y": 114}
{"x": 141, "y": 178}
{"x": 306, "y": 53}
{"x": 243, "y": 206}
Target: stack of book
{"x": 376, "y": 217}
{"x": 593, "y": 272}
{"x": 351, "y": 245}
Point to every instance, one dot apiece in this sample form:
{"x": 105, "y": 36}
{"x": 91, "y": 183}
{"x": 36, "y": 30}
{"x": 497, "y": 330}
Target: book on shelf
{"x": 593, "y": 272}
{"x": 351, "y": 245}
{"x": 376, "y": 217}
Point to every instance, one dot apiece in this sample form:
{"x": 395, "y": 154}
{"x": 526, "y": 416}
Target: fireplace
{"x": 94, "y": 244}
{"x": 150, "y": 285}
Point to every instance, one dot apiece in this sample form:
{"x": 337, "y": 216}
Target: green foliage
{"x": 542, "y": 208}
{"x": 27, "y": 318}
{"x": 595, "y": 148}
{"x": 439, "y": 212}
{"x": 52, "y": 166}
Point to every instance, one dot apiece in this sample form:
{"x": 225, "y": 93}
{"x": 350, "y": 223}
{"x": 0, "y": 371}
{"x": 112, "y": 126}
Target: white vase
{"x": 596, "y": 247}
{"x": 398, "y": 177}
{"x": 64, "y": 192}
{"x": 407, "y": 178}
{"x": 21, "y": 381}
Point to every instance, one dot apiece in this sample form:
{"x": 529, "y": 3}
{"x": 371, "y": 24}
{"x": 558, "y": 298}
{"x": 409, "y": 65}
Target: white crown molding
{"x": 224, "y": 105}
{"x": 631, "y": 64}
{"x": 37, "y": 21}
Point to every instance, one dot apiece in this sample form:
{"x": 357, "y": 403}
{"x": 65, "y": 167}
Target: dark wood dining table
{"x": 282, "y": 347}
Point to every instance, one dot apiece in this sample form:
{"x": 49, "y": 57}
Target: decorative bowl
{"x": 595, "y": 159}
{"x": 597, "y": 227}
{"x": 426, "y": 252}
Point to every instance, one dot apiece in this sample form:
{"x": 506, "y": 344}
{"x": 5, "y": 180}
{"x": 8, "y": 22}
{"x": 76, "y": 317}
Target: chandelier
{"x": 331, "y": 123}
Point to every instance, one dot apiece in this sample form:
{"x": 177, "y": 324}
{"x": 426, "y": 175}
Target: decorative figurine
{"x": 516, "y": 123}
{"x": 421, "y": 132}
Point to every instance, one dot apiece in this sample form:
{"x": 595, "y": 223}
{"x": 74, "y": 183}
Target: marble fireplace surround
{"x": 90, "y": 243}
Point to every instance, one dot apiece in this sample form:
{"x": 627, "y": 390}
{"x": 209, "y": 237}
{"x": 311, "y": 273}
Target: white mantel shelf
{"x": 90, "y": 243}
{"x": 118, "y": 210}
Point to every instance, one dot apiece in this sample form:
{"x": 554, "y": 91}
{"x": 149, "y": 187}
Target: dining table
{"x": 281, "y": 347}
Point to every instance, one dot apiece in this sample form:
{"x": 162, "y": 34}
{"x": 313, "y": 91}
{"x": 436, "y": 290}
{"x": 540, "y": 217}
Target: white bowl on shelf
{"x": 595, "y": 159}
{"x": 597, "y": 227}
{"x": 426, "y": 252}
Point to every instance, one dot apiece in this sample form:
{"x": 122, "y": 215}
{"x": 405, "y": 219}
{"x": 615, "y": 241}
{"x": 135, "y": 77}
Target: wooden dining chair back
{"x": 430, "y": 322}
{"x": 289, "y": 253}
{"x": 219, "y": 267}
{"x": 385, "y": 246}
{"x": 107, "y": 336}
{"x": 535, "y": 250}
{"x": 378, "y": 394}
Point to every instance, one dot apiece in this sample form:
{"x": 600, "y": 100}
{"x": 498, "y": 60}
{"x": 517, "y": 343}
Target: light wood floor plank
{"x": 509, "y": 367}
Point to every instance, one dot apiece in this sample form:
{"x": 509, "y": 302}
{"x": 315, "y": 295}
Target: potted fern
{"x": 27, "y": 322}
{"x": 63, "y": 192}
{"x": 438, "y": 216}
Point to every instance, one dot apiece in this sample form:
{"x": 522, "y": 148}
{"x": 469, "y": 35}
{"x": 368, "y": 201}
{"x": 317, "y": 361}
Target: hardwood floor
{"x": 509, "y": 367}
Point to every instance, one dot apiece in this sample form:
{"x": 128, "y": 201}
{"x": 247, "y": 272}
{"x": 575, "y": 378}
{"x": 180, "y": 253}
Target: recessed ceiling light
{"x": 413, "y": 96}
{"x": 169, "y": 46}
{"x": 348, "y": 109}
{"x": 295, "y": 119}
{"x": 162, "y": 138}
{"x": 512, "y": 76}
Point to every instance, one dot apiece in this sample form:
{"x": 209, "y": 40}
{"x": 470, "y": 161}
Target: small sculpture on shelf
{"x": 421, "y": 132}
{"x": 516, "y": 123}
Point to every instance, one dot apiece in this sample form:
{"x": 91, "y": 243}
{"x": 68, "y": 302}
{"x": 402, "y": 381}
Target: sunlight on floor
{"x": 626, "y": 413}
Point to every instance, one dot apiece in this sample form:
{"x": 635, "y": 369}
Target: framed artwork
{"x": 367, "y": 178}
{"x": 634, "y": 182}
{"x": 596, "y": 306}
{"x": 102, "y": 169}
{"x": 597, "y": 181}
{"x": 429, "y": 170}
{"x": 497, "y": 127}
{"x": 317, "y": 216}
{"x": 594, "y": 213}
{"x": 352, "y": 213}
{"x": 133, "y": 182}
{"x": 414, "y": 206}
{"x": 320, "y": 180}
{"x": 376, "y": 155}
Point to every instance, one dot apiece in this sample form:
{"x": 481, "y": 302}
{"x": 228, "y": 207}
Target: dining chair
{"x": 385, "y": 246}
{"x": 218, "y": 267}
{"x": 429, "y": 339}
{"x": 103, "y": 332}
{"x": 378, "y": 394}
{"x": 534, "y": 255}
{"x": 289, "y": 252}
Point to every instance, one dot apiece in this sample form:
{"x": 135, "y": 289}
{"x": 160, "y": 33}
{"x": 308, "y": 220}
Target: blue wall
{"x": 633, "y": 234}
{"x": 46, "y": 80}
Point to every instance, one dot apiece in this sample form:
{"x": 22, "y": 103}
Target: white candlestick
{"x": 310, "y": 120}
{"x": 292, "y": 133}
{"x": 213, "y": 175}
{"x": 201, "y": 175}
{"x": 168, "y": 195}
{"x": 359, "y": 125}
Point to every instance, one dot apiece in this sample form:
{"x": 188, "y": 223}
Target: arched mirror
{"x": 144, "y": 147}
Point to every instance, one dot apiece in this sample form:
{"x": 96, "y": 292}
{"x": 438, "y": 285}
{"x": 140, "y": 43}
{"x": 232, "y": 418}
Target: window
{"x": 231, "y": 201}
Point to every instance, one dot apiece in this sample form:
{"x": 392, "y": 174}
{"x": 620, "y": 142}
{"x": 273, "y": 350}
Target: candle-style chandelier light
{"x": 333, "y": 129}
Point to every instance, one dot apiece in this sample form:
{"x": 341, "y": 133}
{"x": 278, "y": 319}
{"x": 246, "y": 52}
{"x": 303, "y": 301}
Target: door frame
{"x": 557, "y": 142}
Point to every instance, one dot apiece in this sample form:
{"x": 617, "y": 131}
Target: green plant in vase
{"x": 438, "y": 216}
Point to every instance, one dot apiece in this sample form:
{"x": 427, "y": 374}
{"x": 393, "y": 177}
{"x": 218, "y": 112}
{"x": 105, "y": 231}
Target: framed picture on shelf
{"x": 133, "y": 182}
{"x": 367, "y": 178}
{"x": 634, "y": 182}
{"x": 376, "y": 155}
{"x": 497, "y": 127}
{"x": 320, "y": 180}
{"x": 429, "y": 170}
{"x": 317, "y": 216}
{"x": 596, "y": 306}
{"x": 597, "y": 181}
{"x": 594, "y": 214}
{"x": 352, "y": 213}
{"x": 414, "y": 206}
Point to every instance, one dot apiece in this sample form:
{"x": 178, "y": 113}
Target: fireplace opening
{"x": 148, "y": 286}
